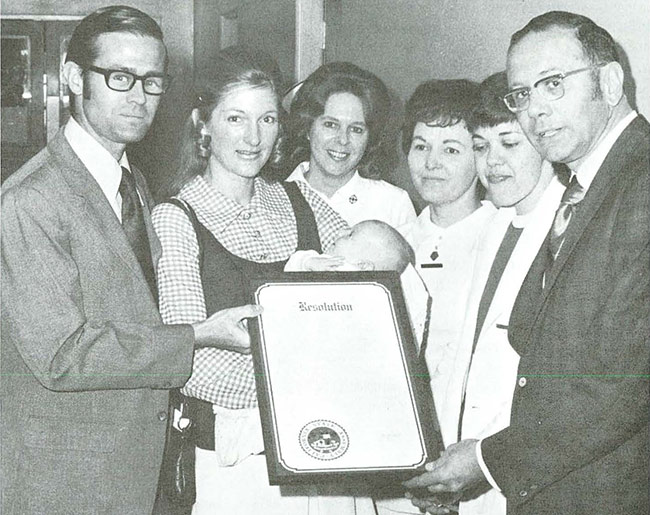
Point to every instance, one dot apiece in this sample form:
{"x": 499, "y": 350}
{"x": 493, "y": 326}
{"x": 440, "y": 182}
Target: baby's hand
{"x": 323, "y": 263}
{"x": 312, "y": 261}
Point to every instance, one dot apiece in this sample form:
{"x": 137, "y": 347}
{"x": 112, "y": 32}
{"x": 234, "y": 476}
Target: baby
{"x": 373, "y": 245}
{"x": 369, "y": 245}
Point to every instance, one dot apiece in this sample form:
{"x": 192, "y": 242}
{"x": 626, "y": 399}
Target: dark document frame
{"x": 413, "y": 366}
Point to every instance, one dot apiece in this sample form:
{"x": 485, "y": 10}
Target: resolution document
{"x": 335, "y": 380}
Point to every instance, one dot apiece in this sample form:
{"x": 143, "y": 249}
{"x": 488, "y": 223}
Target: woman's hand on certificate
{"x": 227, "y": 329}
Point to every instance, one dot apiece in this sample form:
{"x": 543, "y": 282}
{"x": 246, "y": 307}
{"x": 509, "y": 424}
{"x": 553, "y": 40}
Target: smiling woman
{"x": 337, "y": 144}
{"x": 228, "y": 221}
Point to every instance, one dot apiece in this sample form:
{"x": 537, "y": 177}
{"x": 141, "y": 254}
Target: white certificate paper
{"x": 336, "y": 379}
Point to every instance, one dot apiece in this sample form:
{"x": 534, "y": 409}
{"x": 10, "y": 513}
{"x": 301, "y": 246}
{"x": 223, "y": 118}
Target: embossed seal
{"x": 324, "y": 440}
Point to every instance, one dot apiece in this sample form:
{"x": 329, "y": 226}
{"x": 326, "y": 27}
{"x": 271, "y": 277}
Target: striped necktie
{"x": 568, "y": 205}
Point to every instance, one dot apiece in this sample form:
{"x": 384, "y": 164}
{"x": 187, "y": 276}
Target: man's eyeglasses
{"x": 551, "y": 88}
{"x": 119, "y": 80}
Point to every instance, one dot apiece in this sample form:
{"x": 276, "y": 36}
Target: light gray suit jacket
{"x": 86, "y": 360}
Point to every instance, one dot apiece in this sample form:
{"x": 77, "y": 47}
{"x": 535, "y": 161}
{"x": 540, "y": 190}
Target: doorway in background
{"x": 35, "y": 103}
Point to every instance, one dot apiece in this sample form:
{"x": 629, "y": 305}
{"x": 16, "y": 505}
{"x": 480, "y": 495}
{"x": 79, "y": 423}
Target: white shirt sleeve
{"x": 484, "y": 469}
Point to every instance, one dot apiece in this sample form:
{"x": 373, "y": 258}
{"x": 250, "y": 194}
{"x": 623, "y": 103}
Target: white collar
{"x": 425, "y": 225}
{"x": 299, "y": 175}
{"x": 590, "y": 166}
{"x": 98, "y": 161}
{"x": 349, "y": 187}
{"x": 549, "y": 200}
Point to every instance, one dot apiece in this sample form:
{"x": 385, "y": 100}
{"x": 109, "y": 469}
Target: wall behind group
{"x": 407, "y": 42}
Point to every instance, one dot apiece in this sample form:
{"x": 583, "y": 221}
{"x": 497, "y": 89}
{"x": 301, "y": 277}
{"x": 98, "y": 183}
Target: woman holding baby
{"x": 228, "y": 219}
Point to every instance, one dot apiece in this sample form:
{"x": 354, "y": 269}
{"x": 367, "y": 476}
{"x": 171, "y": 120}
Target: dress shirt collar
{"x": 590, "y": 166}
{"x": 350, "y": 188}
{"x": 423, "y": 229}
{"x": 99, "y": 162}
{"x": 299, "y": 173}
{"x": 345, "y": 191}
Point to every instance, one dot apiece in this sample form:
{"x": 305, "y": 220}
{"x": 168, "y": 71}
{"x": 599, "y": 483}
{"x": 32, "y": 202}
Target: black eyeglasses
{"x": 119, "y": 80}
{"x": 551, "y": 88}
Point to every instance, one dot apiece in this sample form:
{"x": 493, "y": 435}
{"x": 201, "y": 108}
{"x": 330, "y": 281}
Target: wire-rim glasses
{"x": 551, "y": 88}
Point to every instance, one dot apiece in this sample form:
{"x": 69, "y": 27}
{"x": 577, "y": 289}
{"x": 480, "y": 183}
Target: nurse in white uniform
{"x": 438, "y": 144}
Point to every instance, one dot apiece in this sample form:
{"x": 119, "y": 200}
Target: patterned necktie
{"x": 573, "y": 194}
{"x": 135, "y": 229}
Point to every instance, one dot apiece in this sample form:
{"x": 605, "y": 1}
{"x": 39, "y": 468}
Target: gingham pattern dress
{"x": 264, "y": 231}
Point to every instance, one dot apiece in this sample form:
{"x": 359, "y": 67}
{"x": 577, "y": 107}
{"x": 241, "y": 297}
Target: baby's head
{"x": 373, "y": 245}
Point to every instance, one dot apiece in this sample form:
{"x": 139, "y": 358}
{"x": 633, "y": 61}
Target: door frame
{"x": 310, "y": 37}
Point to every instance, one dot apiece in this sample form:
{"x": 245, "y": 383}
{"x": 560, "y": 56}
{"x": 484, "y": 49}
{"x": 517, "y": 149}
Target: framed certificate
{"x": 341, "y": 389}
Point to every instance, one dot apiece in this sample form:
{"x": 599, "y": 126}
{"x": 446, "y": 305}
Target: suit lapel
{"x": 95, "y": 204}
{"x": 607, "y": 176}
{"x": 528, "y": 303}
{"x": 531, "y": 299}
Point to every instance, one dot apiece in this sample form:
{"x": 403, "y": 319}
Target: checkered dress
{"x": 264, "y": 231}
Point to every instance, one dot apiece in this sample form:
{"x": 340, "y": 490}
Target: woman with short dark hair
{"x": 439, "y": 147}
{"x": 438, "y": 144}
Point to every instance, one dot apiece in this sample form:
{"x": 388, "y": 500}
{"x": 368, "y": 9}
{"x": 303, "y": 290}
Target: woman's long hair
{"x": 233, "y": 68}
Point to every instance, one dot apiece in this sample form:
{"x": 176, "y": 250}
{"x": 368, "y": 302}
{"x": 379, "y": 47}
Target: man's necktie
{"x": 572, "y": 195}
{"x": 135, "y": 229}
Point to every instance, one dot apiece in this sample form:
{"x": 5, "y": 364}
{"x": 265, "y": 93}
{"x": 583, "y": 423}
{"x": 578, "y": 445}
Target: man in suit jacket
{"x": 86, "y": 360}
{"x": 578, "y": 436}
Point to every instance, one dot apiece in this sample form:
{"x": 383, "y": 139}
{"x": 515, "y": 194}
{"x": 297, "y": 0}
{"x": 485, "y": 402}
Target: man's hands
{"x": 227, "y": 329}
{"x": 450, "y": 477}
{"x": 435, "y": 505}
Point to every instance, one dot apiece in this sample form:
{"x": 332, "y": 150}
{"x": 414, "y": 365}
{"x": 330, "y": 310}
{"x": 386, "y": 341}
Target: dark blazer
{"x": 86, "y": 360}
{"x": 578, "y": 437}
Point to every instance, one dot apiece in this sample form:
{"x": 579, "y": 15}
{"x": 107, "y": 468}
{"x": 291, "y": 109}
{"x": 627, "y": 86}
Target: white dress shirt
{"x": 590, "y": 166}
{"x": 99, "y": 162}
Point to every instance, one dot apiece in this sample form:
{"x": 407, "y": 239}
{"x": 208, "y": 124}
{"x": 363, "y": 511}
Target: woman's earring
{"x": 203, "y": 143}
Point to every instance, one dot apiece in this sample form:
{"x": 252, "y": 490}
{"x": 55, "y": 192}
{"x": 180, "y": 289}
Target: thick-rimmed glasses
{"x": 119, "y": 80}
{"x": 551, "y": 88}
